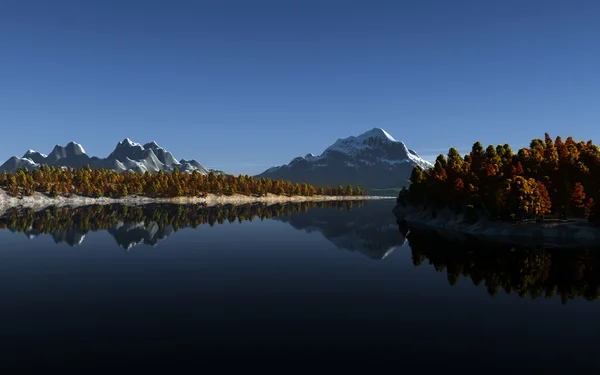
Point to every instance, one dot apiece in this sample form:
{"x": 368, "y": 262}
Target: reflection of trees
{"x": 93, "y": 218}
{"x": 527, "y": 271}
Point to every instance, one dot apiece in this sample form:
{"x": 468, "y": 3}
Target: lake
{"x": 163, "y": 286}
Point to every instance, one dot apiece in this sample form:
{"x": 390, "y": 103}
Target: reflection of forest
{"x": 527, "y": 271}
{"x": 147, "y": 223}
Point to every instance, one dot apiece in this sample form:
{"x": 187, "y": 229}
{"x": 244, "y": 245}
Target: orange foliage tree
{"x": 89, "y": 182}
{"x": 550, "y": 177}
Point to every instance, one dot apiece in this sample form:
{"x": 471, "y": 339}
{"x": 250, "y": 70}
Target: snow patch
{"x": 129, "y": 142}
{"x": 30, "y": 152}
{"x": 76, "y": 147}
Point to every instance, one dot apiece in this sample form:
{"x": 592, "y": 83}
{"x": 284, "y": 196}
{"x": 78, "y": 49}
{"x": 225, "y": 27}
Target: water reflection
{"x": 148, "y": 224}
{"x": 369, "y": 230}
{"x": 528, "y": 271}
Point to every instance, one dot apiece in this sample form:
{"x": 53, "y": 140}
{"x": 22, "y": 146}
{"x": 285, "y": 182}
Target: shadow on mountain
{"x": 147, "y": 224}
{"x": 528, "y": 271}
{"x": 368, "y": 229}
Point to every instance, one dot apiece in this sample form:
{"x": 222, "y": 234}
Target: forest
{"x": 533, "y": 272}
{"x": 549, "y": 179}
{"x": 87, "y": 182}
{"x": 100, "y": 217}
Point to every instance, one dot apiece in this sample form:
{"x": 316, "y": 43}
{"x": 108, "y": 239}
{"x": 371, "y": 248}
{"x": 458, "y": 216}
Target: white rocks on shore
{"x": 39, "y": 201}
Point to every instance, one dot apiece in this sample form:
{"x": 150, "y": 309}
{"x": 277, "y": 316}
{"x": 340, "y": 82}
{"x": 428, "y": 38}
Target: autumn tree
{"x": 547, "y": 178}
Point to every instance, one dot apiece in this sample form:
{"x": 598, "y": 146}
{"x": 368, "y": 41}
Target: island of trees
{"x": 549, "y": 179}
{"x": 87, "y": 182}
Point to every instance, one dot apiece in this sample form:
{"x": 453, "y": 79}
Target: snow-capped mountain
{"x": 127, "y": 156}
{"x": 14, "y": 163}
{"x": 373, "y": 159}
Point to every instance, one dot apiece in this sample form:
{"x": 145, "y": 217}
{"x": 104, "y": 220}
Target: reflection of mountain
{"x": 528, "y": 271}
{"x": 148, "y": 224}
{"x": 128, "y": 235}
{"x": 72, "y": 237}
{"x": 369, "y": 229}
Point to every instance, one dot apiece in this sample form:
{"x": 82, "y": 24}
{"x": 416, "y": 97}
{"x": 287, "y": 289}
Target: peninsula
{"x": 549, "y": 190}
{"x": 83, "y": 186}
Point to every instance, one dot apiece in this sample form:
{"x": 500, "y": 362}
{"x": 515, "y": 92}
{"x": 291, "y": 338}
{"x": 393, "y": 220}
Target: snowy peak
{"x": 193, "y": 165}
{"x": 74, "y": 148}
{"x": 379, "y": 144}
{"x": 152, "y": 145}
{"x": 37, "y": 157}
{"x": 72, "y": 153}
{"x": 376, "y": 133}
{"x": 58, "y": 152}
{"x": 163, "y": 155}
{"x": 126, "y": 149}
{"x": 373, "y": 158}
{"x": 34, "y": 152}
{"x": 127, "y": 156}
{"x": 128, "y": 142}
{"x": 14, "y": 163}
{"x": 372, "y": 138}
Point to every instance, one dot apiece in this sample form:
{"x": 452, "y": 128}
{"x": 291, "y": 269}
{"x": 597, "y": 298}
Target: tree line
{"x": 533, "y": 272}
{"x": 100, "y": 217}
{"x": 87, "y": 182}
{"x": 550, "y": 177}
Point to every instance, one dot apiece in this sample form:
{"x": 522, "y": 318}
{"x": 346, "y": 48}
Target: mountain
{"x": 127, "y": 156}
{"x": 373, "y": 159}
{"x": 15, "y": 163}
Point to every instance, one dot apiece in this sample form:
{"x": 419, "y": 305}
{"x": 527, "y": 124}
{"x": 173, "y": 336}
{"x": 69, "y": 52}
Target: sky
{"x": 245, "y": 85}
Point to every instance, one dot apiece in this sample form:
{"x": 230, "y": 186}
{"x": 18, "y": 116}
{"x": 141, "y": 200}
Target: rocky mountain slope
{"x": 373, "y": 159}
{"x": 127, "y": 156}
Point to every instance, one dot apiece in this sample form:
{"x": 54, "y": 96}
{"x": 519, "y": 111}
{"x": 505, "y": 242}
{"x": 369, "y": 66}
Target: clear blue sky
{"x": 243, "y": 85}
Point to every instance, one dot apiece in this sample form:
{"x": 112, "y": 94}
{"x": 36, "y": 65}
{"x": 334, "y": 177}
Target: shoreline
{"x": 572, "y": 233}
{"x": 40, "y": 201}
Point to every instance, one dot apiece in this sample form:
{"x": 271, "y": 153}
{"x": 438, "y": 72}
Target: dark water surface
{"x": 139, "y": 287}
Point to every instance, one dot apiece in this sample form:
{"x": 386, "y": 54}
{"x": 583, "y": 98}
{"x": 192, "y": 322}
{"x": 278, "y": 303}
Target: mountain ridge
{"x": 373, "y": 159}
{"x": 126, "y": 156}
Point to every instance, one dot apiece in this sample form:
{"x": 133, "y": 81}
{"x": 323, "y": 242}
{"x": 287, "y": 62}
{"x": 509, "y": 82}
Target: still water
{"x": 166, "y": 285}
